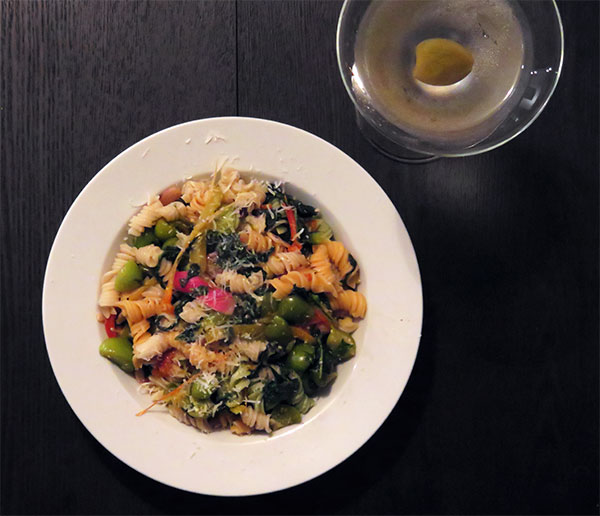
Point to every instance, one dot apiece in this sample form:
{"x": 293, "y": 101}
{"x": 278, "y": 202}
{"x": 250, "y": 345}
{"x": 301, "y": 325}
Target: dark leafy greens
{"x": 231, "y": 253}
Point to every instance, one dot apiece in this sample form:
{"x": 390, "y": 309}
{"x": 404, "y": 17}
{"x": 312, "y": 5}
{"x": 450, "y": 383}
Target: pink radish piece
{"x": 216, "y": 298}
{"x": 219, "y": 300}
{"x": 170, "y": 195}
{"x": 193, "y": 283}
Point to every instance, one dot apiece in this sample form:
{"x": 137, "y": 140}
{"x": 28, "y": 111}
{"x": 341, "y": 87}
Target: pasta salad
{"x": 231, "y": 303}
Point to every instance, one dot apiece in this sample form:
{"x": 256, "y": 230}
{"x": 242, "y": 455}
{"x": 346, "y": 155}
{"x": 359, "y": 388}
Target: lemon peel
{"x": 441, "y": 62}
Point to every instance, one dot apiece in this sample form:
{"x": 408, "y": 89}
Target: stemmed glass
{"x": 540, "y": 74}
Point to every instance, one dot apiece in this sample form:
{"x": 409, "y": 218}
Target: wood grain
{"x": 501, "y": 412}
{"x": 504, "y": 390}
{"x": 80, "y": 82}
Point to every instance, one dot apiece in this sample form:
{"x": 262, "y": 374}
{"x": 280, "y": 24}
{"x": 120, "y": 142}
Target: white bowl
{"x": 106, "y": 400}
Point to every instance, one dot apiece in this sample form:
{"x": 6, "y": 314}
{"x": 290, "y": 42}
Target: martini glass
{"x": 543, "y": 44}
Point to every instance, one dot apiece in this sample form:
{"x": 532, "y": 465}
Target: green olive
{"x": 163, "y": 230}
{"x": 146, "y": 238}
{"x": 294, "y": 309}
{"x": 171, "y": 242}
{"x": 284, "y": 415}
{"x": 120, "y": 351}
{"x": 200, "y": 392}
{"x": 341, "y": 344}
{"x": 278, "y": 330}
{"x": 129, "y": 277}
{"x": 301, "y": 357}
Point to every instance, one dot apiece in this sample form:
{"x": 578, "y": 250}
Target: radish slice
{"x": 170, "y": 195}
{"x": 192, "y": 284}
{"x": 219, "y": 300}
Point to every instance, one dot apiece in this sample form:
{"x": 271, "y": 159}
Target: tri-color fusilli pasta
{"x": 255, "y": 241}
{"x": 238, "y": 283}
{"x": 232, "y": 303}
{"x": 284, "y": 262}
{"x": 305, "y": 279}
{"x": 350, "y": 301}
{"x": 144, "y": 308}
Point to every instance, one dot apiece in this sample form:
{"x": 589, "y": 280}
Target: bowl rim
{"x": 46, "y": 309}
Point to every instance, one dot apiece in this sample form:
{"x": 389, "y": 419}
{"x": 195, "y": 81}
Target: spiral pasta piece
{"x": 135, "y": 311}
{"x": 125, "y": 254}
{"x": 255, "y": 419}
{"x": 193, "y": 188}
{"x": 199, "y": 200}
{"x": 145, "y": 349}
{"x": 153, "y": 211}
{"x": 193, "y": 311}
{"x": 259, "y": 194}
{"x": 304, "y": 278}
{"x": 243, "y": 194}
{"x": 146, "y": 217}
{"x": 148, "y": 255}
{"x": 175, "y": 210}
{"x": 338, "y": 254}
{"x": 257, "y": 223}
{"x": 320, "y": 263}
{"x": 255, "y": 241}
{"x": 155, "y": 291}
{"x": 249, "y": 199}
{"x": 139, "y": 331}
{"x": 164, "y": 268}
{"x": 350, "y": 301}
{"x": 347, "y": 324}
{"x": 226, "y": 183}
{"x": 284, "y": 262}
{"x": 238, "y": 283}
{"x": 109, "y": 297}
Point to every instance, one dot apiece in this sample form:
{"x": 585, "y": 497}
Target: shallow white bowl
{"x": 106, "y": 400}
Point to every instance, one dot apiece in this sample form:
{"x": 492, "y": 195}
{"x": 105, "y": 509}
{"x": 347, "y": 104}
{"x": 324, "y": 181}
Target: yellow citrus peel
{"x": 441, "y": 62}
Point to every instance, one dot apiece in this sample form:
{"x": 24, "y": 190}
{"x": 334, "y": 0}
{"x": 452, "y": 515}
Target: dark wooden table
{"x": 501, "y": 412}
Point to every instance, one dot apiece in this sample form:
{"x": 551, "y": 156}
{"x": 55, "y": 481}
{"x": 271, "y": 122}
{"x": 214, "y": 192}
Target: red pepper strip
{"x": 289, "y": 212}
{"x": 110, "y": 326}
